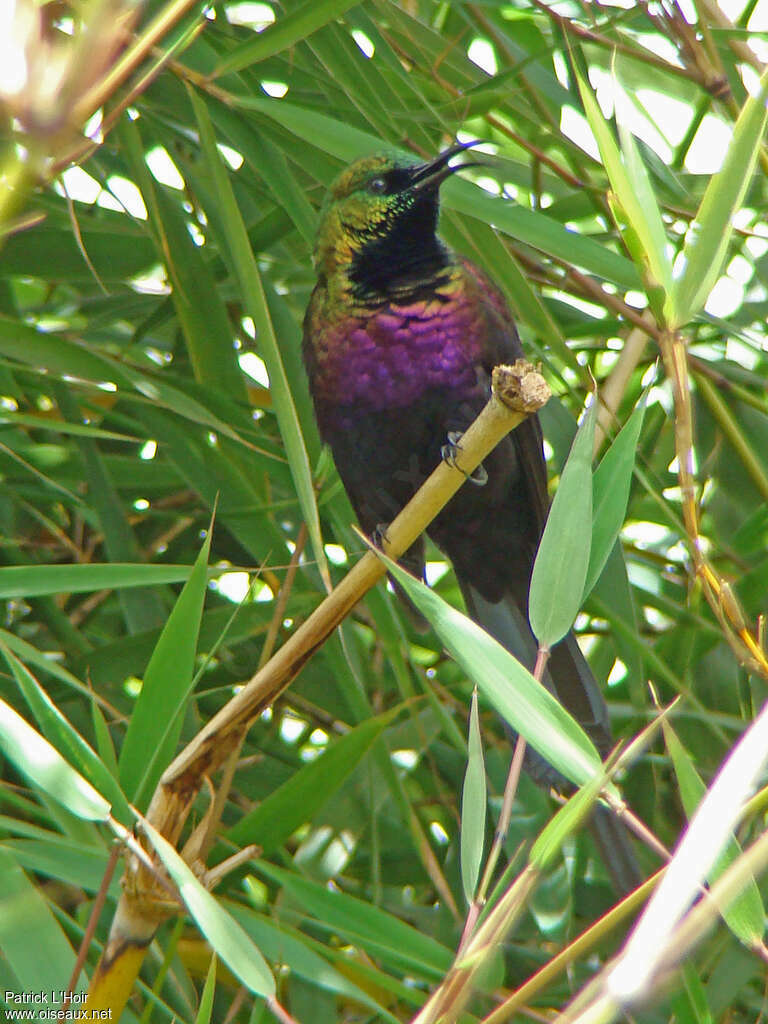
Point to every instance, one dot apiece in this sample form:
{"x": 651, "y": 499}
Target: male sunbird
{"x": 400, "y": 338}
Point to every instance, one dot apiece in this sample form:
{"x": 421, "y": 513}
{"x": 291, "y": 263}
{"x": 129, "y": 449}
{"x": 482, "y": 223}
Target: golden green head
{"x": 381, "y": 204}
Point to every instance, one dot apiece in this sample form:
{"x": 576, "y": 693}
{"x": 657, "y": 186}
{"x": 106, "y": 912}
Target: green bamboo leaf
{"x": 142, "y": 609}
{"x": 522, "y": 701}
{"x": 35, "y": 580}
{"x": 219, "y": 480}
{"x": 546, "y": 850}
{"x": 473, "y": 806}
{"x": 613, "y": 598}
{"x": 255, "y": 302}
{"x": 32, "y": 942}
{"x": 116, "y": 247}
{"x": 690, "y": 1004}
{"x": 31, "y": 655}
{"x": 746, "y": 915}
{"x": 62, "y": 356}
{"x": 610, "y": 485}
{"x": 312, "y": 961}
{"x": 364, "y": 924}
{"x": 209, "y": 991}
{"x": 632, "y": 187}
{"x": 203, "y": 317}
{"x": 155, "y": 725}
{"x": 63, "y": 427}
{"x": 560, "y": 569}
{"x": 104, "y": 744}
{"x": 62, "y": 735}
{"x": 706, "y": 246}
{"x": 63, "y": 858}
{"x": 341, "y": 57}
{"x": 286, "y": 31}
{"x": 225, "y": 935}
{"x": 269, "y": 162}
{"x": 279, "y": 815}
{"x": 34, "y": 757}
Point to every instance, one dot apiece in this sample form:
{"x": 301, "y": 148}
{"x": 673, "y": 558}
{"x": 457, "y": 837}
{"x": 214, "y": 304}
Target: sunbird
{"x": 401, "y": 335}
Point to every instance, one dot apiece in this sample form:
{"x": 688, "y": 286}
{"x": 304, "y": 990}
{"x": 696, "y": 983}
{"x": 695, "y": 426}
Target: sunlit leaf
{"x": 224, "y": 934}
{"x": 632, "y": 188}
{"x": 46, "y": 768}
{"x": 746, "y": 915}
{"x": 473, "y": 806}
{"x": 707, "y": 244}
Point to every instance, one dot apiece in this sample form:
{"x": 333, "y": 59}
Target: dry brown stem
{"x": 717, "y": 591}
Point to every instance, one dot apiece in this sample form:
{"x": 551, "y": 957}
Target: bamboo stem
{"x": 517, "y": 392}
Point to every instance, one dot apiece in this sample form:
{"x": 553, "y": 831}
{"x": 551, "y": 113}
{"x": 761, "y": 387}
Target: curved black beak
{"x": 433, "y": 174}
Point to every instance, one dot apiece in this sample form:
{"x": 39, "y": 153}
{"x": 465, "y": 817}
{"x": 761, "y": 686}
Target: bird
{"x": 400, "y": 337}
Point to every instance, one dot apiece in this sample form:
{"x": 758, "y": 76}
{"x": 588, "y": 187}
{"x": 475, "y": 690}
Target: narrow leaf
{"x": 560, "y": 569}
{"x": 209, "y": 991}
{"x": 523, "y": 702}
{"x": 646, "y": 219}
{"x": 46, "y": 768}
{"x": 746, "y": 915}
{"x": 60, "y": 733}
{"x": 255, "y": 302}
{"x": 155, "y": 725}
{"x": 702, "y": 843}
{"x": 225, "y": 935}
{"x": 308, "y": 958}
{"x": 568, "y": 819}
{"x": 200, "y": 309}
{"x": 32, "y": 942}
{"x": 707, "y": 244}
{"x": 363, "y": 923}
{"x": 610, "y": 485}
{"x": 632, "y": 187}
{"x": 279, "y": 815}
{"x": 35, "y": 580}
{"x": 473, "y": 806}
{"x": 285, "y": 32}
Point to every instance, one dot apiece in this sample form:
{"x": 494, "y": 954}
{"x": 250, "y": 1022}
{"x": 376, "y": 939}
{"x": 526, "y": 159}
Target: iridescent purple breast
{"x": 386, "y": 358}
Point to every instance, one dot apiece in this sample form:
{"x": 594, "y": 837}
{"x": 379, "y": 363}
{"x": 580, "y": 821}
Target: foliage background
{"x": 145, "y": 377}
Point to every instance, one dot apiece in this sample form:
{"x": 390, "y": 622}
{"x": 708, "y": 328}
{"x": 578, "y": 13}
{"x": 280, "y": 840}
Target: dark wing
{"x": 504, "y": 347}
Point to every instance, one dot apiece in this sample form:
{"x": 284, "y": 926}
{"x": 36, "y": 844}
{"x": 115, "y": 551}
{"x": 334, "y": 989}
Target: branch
{"x": 518, "y": 391}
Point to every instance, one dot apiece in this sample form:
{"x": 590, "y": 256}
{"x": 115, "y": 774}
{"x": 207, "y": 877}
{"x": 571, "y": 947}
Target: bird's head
{"x": 381, "y": 203}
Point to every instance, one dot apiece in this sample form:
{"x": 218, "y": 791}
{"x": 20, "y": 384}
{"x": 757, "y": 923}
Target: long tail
{"x": 570, "y": 679}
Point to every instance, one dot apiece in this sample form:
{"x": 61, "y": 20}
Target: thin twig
{"x": 718, "y": 593}
{"x": 93, "y": 920}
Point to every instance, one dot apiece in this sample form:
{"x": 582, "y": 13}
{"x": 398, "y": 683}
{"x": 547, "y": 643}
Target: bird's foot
{"x": 379, "y": 535}
{"x": 449, "y": 452}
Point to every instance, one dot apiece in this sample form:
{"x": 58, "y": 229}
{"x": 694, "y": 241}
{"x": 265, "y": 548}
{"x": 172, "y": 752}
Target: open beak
{"x": 433, "y": 174}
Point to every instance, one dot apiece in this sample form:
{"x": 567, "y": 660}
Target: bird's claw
{"x": 449, "y": 452}
{"x": 480, "y": 476}
{"x": 379, "y": 535}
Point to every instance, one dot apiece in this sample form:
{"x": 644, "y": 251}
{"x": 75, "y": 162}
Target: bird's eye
{"x": 378, "y": 185}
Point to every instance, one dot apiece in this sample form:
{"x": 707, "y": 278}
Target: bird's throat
{"x": 400, "y": 263}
